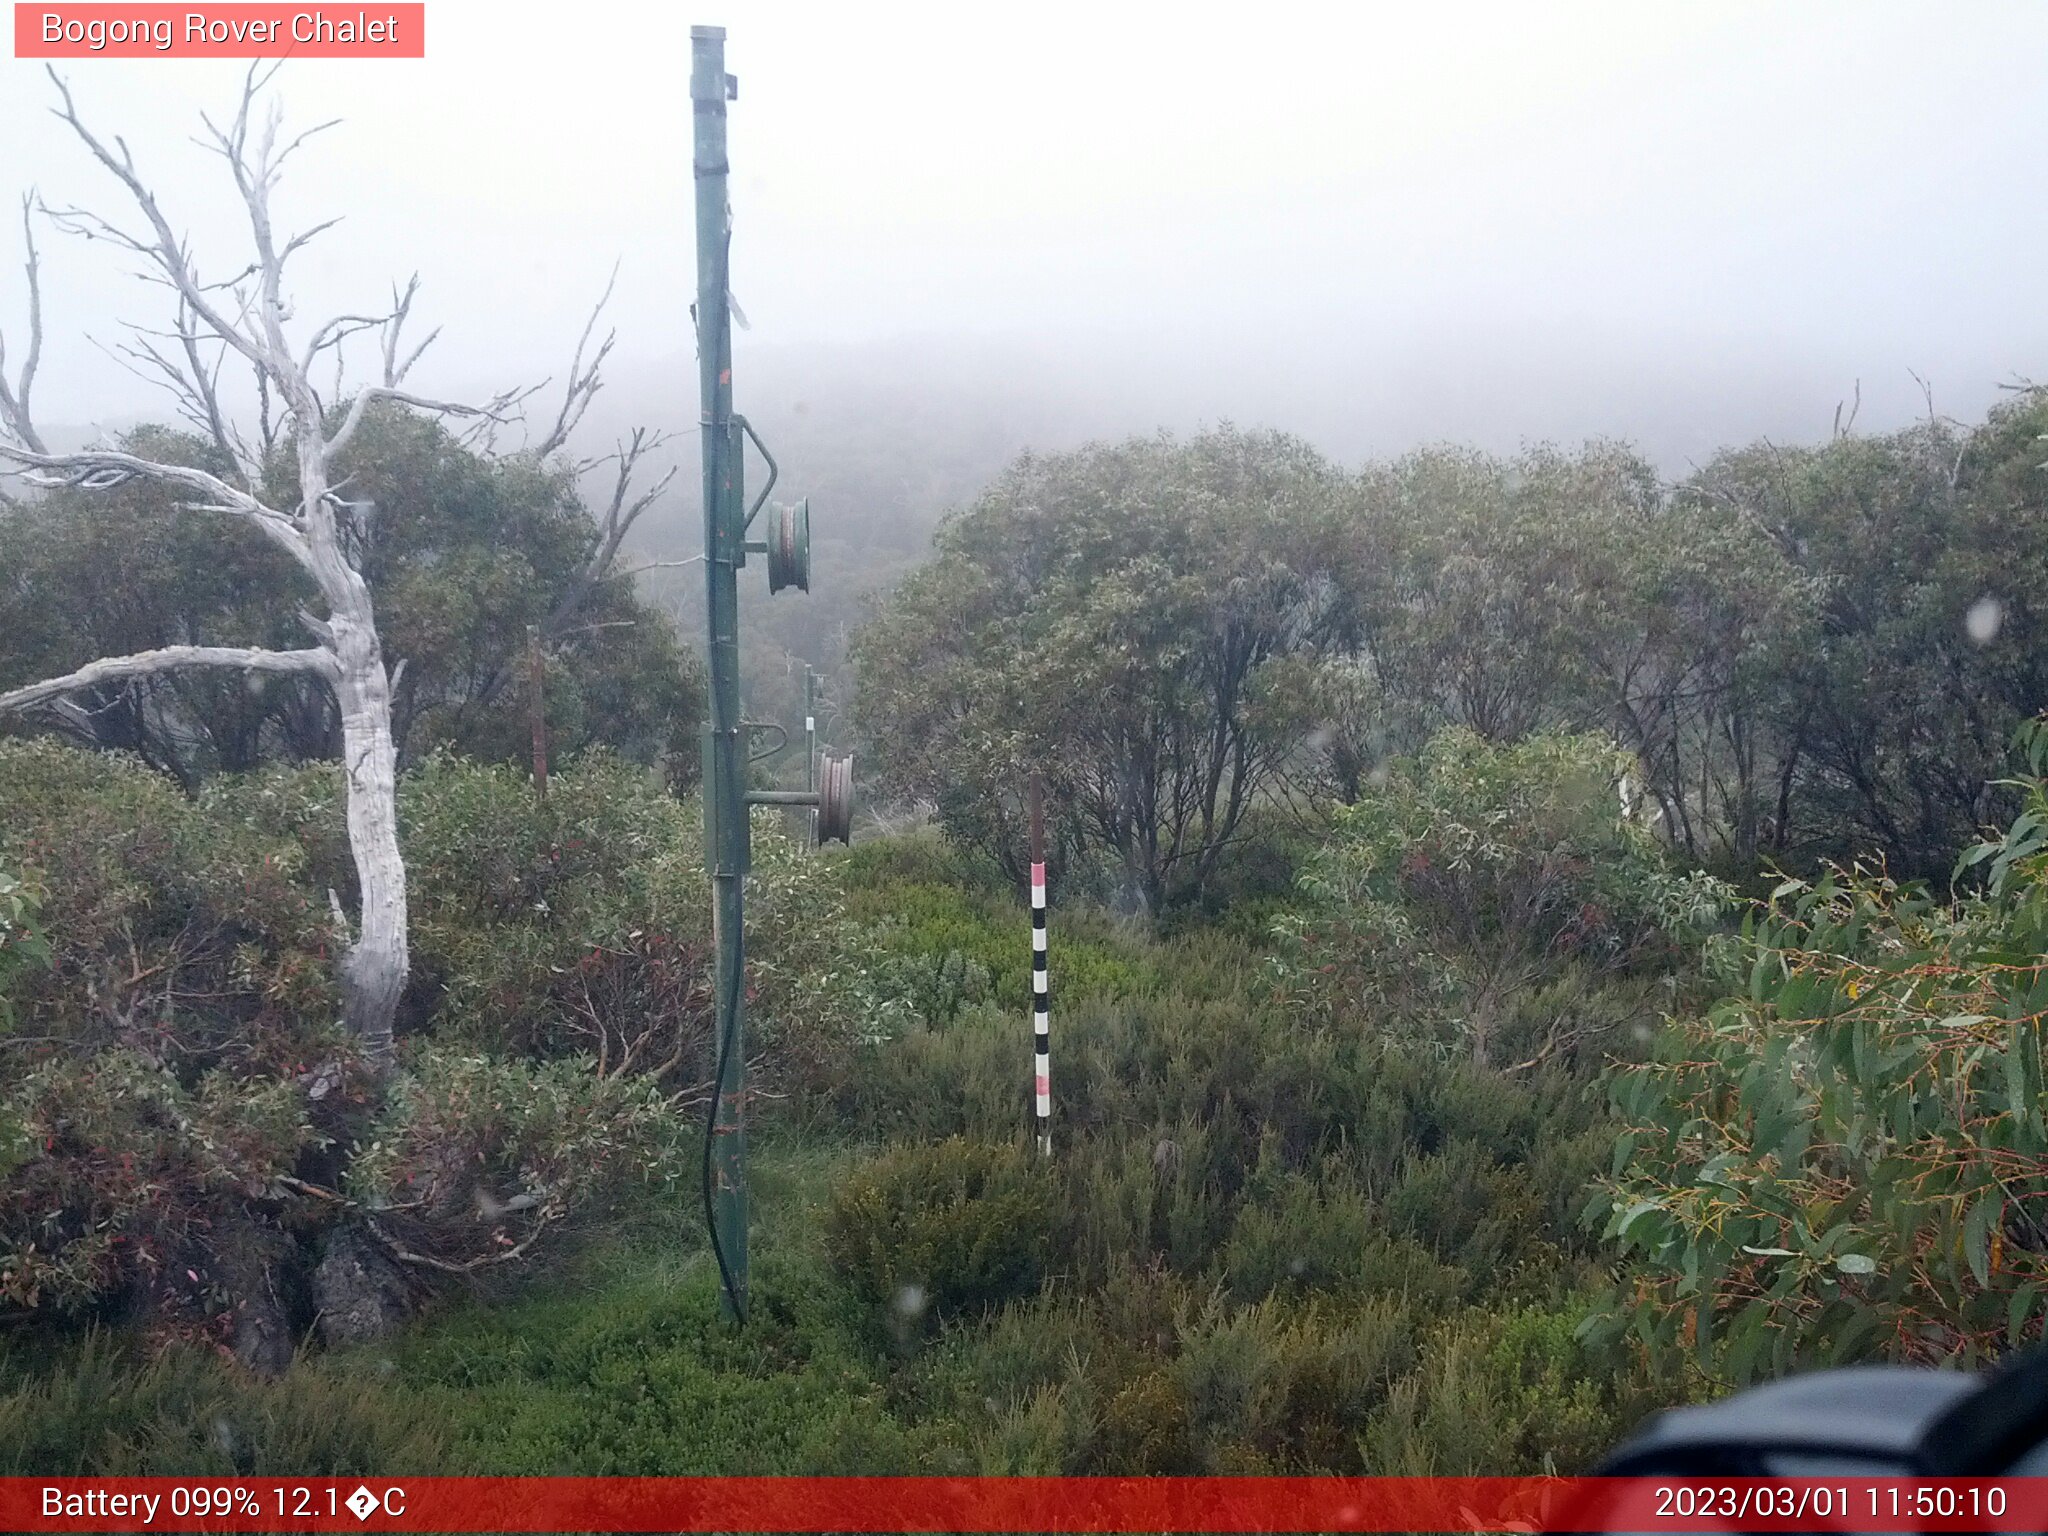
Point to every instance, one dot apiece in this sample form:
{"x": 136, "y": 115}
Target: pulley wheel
{"x": 789, "y": 548}
{"x": 835, "y": 800}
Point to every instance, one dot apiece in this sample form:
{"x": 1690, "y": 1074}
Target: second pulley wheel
{"x": 835, "y": 800}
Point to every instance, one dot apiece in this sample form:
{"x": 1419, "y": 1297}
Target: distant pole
{"x": 725, "y": 804}
{"x": 1041, "y": 1000}
{"x": 536, "y": 705}
{"x": 811, "y": 743}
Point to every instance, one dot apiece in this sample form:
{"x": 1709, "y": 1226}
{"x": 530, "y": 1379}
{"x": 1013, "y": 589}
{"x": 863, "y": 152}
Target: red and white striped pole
{"x": 1041, "y": 1001}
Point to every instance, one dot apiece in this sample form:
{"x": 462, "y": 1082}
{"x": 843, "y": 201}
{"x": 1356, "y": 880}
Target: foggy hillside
{"x": 885, "y": 438}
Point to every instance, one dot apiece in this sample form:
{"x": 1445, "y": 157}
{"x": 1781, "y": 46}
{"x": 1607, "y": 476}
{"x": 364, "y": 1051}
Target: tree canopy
{"x": 1119, "y": 619}
{"x": 461, "y": 552}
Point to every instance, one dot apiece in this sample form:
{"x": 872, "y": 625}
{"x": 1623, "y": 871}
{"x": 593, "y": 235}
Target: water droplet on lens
{"x": 1984, "y": 618}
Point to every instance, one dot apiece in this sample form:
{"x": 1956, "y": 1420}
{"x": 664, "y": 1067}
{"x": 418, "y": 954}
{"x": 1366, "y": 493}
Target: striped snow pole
{"x": 1041, "y": 1001}
{"x": 1041, "y": 1015}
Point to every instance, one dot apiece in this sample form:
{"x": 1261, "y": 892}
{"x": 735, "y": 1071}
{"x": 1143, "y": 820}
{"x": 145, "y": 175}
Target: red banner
{"x": 1052, "y": 1504}
{"x": 239, "y": 31}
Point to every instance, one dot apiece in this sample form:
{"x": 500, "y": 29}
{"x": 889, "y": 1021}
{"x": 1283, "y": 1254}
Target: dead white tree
{"x": 244, "y": 317}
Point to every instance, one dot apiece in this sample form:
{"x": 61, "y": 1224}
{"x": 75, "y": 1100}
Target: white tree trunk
{"x": 374, "y": 971}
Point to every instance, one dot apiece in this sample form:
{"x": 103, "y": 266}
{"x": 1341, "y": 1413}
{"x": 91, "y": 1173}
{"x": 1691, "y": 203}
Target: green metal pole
{"x": 725, "y": 810}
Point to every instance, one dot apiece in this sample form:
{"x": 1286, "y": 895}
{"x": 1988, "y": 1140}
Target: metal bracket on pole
{"x": 747, "y": 427}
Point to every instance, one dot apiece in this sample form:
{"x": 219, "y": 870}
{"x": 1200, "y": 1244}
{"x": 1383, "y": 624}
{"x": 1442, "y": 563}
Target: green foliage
{"x": 181, "y": 1097}
{"x": 99, "y": 1410}
{"x": 942, "y": 950}
{"x": 641, "y": 1378}
{"x": 1842, "y": 1159}
{"x": 1807, "y": 652}
{"x": 179, "y": 917}
{"x": 1478, "y": 576}
{"x": 1300, "y": 1239}
{"x": 1479, "y": 873}
{"x": 1927, "y": 551}
{"x": 461, "y": 554}
{"x": 1568, "y": 591}
{"x": 1117, "y": 618}
{"x": 578, "y": 925}
{"x": 153, "y": 1092}
{"x": 471, "y": 1157}
{"x": 573, "y": 925}
{"x": 128, "y": 1172}
{"x": 22, "y": 945}
{"x": 944, "y": 1231}
{"x": 1225, "y": 1139}
{"x": 1516, "y": 1388}
{"x": 114, "y": 572}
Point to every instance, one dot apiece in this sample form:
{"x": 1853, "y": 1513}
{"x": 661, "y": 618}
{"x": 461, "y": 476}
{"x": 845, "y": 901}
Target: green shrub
{"x": 22, "y": 945}
{"x": 1466, "y": 1207}
{"x": 183, "y": 925}
{"x": 1161, "y": 1196}
{"x": 923, "y": 857}
{"x": 1302, "y": 1238}
{"x": 570, "y": 926}
{"x": 181, "y": 1100}
{"x": 1510, "y": 1393}
{"x": 1477, "y": 873}
{"x": 1845, "y": 1156}
{"x": 100, "y": 1410}
{"x": 1145, "y": 1428}
{"x": 471, "y": 1157}
{"x": 927, "y": 1233}
{"x": 1294, "y": 1385}
{"x": 156, "y": 1075}
{"x": 943, "y": 931}
{"x": 1043, "y": 1432}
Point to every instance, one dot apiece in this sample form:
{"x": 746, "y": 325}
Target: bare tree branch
{"x": 625, "y": 572}
{"x": 172, "y": 658}
{"x": 166, "y": 252}
{"x": 15, "y": 416}
{"x": 584, "y": 382}
{"x": 337, "y": 330}
{"x": 620, "y": 514}
{"x": 101, "y": 469}
{"x": 404, "y": 1255}
{"x": 497, "y": 409}
{"x": 1844, "y": 428}
{"x": 206, "y": 391}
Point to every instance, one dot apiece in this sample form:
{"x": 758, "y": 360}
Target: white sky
{"x": 1314, "y": 214}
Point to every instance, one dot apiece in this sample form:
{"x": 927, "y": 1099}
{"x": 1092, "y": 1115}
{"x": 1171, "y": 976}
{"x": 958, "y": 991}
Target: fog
{"x": 1374, "y": 225}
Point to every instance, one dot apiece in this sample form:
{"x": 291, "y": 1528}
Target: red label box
{"x": 235, "y": 31}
